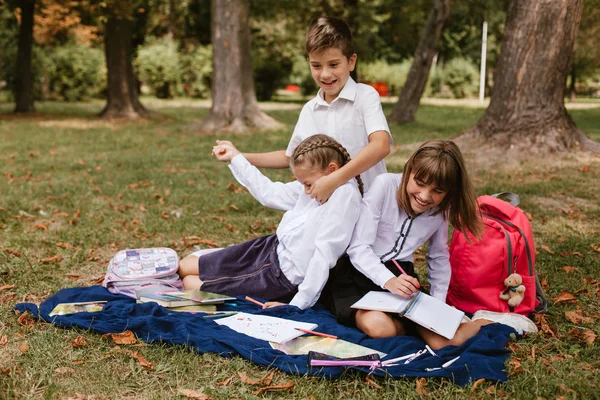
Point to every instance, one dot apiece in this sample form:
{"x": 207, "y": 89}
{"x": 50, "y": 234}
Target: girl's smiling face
{"x": 424, "y": 196}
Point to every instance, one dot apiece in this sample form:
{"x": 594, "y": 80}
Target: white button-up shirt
{"x": 384, "y": 232}
{"x": 349, "y": 119}
{"x": 311, "y": 236}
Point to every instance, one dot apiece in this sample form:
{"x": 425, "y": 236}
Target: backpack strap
{"x": 512, "y": 198}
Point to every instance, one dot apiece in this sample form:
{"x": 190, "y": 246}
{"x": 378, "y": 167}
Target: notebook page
{"x": 436, "y": 315}
{"x": 382, "y": 301}
{"x": 271, "y": 329}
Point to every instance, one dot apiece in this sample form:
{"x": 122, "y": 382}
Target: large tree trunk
{"x": 24, "y": 77}
{"x": 234, "y": 107}
{"x": 122, "y": 94}
{"x": 410, "y": 97}
{"x": 526, "y": 108}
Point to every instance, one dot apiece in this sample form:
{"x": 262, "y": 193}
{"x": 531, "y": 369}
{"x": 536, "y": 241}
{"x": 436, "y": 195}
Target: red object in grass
{"x": 293, "y": 88}
{"x": 381, "y": 87}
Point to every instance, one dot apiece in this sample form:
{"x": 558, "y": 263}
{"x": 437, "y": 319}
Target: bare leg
{"x": 464, "y": 332}
{"x": 377, "y": 324}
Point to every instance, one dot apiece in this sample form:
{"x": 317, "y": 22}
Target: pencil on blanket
{"x": 258, "y": 303}
{"x": 317, "y": 333}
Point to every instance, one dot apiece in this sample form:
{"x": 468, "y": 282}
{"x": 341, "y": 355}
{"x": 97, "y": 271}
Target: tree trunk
{"x": 527, "y": 110}
{"x": 24, "y": 77}
{"x": 405, "y": 109}
{"x": 122, "y": 95}
{"x": 572, "y": 89}
{"x": 234, "y": 107}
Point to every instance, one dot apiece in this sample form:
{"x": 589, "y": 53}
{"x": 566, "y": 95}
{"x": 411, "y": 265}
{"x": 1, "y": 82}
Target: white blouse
{"x": 384, "y": 232}
{"x": 311, "y": 236}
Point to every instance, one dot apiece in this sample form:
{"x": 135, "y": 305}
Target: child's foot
{"x": 519, "y": 322}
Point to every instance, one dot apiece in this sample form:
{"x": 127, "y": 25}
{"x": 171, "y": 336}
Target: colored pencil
{"x": 317, "y": 333}
{"x": 403, "y": 271}
{"x": 258, "y": 303}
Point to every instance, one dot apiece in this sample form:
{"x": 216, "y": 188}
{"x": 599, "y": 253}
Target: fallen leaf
{"x": 568, "y": 268}
{"x": 3, "y": 340}
{"x": 192, "y": 394}
{"x": 421, "y": 383}
{"x": 577, "y": 318}
{"x": 64, "y": 371}
{"x": 571, "y": 253}
{"x": 79, "y": 342}
{"x": 249, "y": 381}
{"x": 233, "y": 207}
{"x": 26, "y": 320}
{"x": 517, "y": 368}
{"x": 78, "y": 362}
{"x": 6, "y": 287}
{"x": 226, "y": 382}
{"x": 595, "y": 248}
{"x": 477, "y": 383}
{"x": 563, "y": 388}
{"x": 546, "y": 248}
{"x": 371, "y": 382}
{"x": 143, "y": 362}
{"x": 564, "y": 297}
{"x": 55, "y": 259}
{"x": 23, "y": 347}
{"x": 126, "y": 337}
{"x": 13, "y": 252}
{"x": 541, "y": 320}
{"x": 286, "y": 386}
{"x": 165, "y": 215}
{"x": 72, "y": 275}
{"x": 589, "y": 337}
{"x": 142, "y": 207}
{"x": 585, "y": 169}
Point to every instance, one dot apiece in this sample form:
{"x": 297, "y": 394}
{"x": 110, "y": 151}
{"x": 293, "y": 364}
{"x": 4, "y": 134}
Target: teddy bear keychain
{"x": 515, "y": 290}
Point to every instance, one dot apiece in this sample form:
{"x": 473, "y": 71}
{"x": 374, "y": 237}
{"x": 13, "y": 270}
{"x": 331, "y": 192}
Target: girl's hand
{"x": 323, "y": 188}
{"x": 271, "y": 304}
{"x": 403, "y": 285}
{"x": 224, "y": 151}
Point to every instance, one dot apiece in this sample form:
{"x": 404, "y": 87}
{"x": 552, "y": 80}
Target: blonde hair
{"x": 329, "y": 32}
{"x": 441, "y": 162}
{"x": 320, "y": 150}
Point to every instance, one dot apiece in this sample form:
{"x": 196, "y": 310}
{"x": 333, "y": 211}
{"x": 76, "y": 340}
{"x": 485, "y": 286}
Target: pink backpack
{"x": 133, "y": 269}
{"x": 480, "y": 268}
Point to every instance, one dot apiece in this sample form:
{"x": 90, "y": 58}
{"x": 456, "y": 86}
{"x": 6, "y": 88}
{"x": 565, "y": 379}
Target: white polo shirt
{"x": 384, "y": 231}
{"x": 311, "y": 236}
{"x": 349, "y": 119}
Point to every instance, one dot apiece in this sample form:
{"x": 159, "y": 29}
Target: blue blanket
{"x": 483, "y": 356}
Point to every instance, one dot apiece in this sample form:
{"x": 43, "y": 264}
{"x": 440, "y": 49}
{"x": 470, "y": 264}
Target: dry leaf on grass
{"x": 568, "y": 268}
{"x": 3, "y": 340}
{"x": 516, "y": 367}
{"x": 477, "y": 383}
{"x": 13, "y": 252}
{"x": 23, "y": 347}
{"x": 192, "y": 394}
{"x": 371, "y": 382}
{"x": 547, "y": 249}
{"x": 79, "y": 342}
{"x": 285, "y": 386}
{"x": 6, "y": 287}
{"x": 577, "y": 318}
{"x": 541, "y": 320}
{"x": 266, "y": 380}
{"x": 55, "y": 259}
{"x": 226, "y": 382}
{"x": 143, "y": 362}
{"x": 564, "y": 297}
{"x": 26, "y": 320}
{"x": 421, "y": 391}
{"x": 64, "y": 371}
{"x": 126, "y": 337}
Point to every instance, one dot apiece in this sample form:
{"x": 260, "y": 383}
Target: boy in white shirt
{"x": 347, "y": 111}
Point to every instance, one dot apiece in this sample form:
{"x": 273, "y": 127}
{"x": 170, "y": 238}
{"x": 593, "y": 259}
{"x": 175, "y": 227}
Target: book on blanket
{"x": 167, "y": 297}
{"x": 421, "y": 308}
{"x": 72, "y": 308}
{"x": 271, "y": 329}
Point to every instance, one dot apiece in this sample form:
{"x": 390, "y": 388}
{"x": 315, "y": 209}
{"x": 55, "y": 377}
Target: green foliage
{"x": 461, "y": 77}
{"x": 76, "y": 72}
{"x": 159, "y": 66}
{"x": 196, "y": 71}
{"x": 394, "y": 75}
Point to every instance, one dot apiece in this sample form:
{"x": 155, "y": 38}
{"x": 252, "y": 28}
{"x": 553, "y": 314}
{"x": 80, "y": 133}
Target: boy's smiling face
{"x": 331, "y": 69}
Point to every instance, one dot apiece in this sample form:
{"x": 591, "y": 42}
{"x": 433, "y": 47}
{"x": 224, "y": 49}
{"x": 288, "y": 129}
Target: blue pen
{"x": 230, "y": 304}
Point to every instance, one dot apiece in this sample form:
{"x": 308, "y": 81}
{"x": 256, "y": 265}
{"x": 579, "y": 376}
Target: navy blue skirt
{"x": 247, "y": 269}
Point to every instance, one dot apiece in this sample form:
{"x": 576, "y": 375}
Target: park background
{"x": 88, "y": 170}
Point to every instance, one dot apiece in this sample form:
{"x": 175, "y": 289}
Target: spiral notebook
{"x": 421, "y": 308}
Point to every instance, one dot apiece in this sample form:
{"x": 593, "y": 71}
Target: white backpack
{"x": 133, "y": 269}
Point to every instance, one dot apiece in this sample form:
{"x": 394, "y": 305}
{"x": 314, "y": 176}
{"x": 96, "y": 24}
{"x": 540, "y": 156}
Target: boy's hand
{"x": 224, "y": 151}
{"x": 271, "y": 304}
{"x": 403, "y": 285}
{"x": 323, "y": 188}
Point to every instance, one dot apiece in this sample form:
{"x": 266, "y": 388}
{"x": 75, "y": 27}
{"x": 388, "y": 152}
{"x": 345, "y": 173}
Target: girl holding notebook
{"x": 399, "y": 214}
{"x": 295, "y": 261}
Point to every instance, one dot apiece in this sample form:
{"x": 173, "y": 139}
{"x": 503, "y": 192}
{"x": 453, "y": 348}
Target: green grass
{"x": 67, "y": 177}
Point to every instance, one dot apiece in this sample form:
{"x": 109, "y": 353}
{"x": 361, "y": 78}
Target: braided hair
{"x": 319, "y": 150}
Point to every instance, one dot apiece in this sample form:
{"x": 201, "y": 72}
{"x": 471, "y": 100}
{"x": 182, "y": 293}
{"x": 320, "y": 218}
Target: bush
{"x": 462, "y": 77}
{"x": 75, "y": 72}
{"x": 196, "y": 71}
{"x": 394, "y": 75}
{"x": 159, "y": 66}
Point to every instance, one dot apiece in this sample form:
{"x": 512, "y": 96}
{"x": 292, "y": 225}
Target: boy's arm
{"x": 273, "y": 159}
{"x": 375, "y": 151}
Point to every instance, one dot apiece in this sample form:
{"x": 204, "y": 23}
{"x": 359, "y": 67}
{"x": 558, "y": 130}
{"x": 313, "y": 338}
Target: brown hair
{"x": 442, "y": 163}
{"x": 319, "y": 150}
{"x": 329, "y": 32}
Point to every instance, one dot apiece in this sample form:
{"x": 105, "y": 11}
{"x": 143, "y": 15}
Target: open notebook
{"x": 421, "y": 308}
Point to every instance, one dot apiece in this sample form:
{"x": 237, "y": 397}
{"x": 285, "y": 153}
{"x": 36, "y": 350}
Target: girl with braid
{"x": 294, "y": 262}
{"x": 399, "y": 214}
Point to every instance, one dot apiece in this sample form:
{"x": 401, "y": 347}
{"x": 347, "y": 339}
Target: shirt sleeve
{"x": 331, "y": 240}
{"x": 361, "y": 251}
{"x": 278, "y": 195}
{"x": 373, "y": 113}
{"x": 438, "y": 262}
